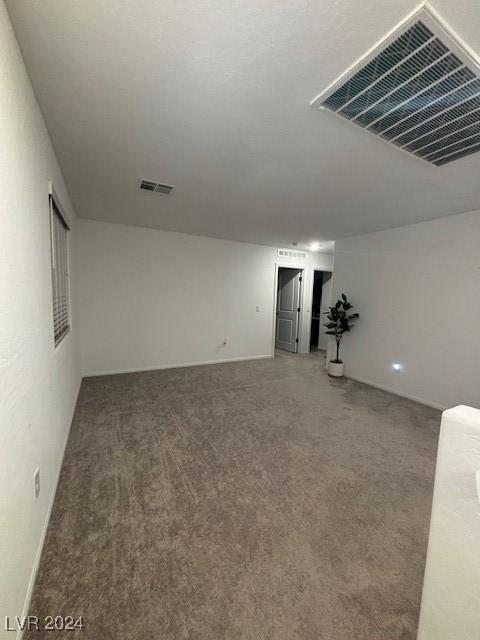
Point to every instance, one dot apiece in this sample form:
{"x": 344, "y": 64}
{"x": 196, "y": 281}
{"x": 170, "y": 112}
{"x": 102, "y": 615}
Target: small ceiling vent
{"x": 418, "y": 89}
{"x": 158, "y": 187}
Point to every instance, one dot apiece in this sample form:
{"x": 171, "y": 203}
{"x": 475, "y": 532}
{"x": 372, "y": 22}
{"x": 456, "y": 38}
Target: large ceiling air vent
{"x": 419, "y": 89}
{"x": 157, "y": 187}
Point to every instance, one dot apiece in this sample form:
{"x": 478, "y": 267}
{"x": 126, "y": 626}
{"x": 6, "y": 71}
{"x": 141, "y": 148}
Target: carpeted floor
{"x": 257, "y": 500}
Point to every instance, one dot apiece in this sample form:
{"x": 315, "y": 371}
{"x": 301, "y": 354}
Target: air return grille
{"x": 419, "y": 89}
{"x": 288, "y": 253}
{"x": 158, "y": 187}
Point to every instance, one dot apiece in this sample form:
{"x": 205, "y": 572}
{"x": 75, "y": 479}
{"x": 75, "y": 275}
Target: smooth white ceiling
{"x": 213, "y": 97}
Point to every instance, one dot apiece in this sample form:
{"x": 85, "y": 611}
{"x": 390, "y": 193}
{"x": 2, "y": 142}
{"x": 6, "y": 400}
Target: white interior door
{"x": 288, "y": 309}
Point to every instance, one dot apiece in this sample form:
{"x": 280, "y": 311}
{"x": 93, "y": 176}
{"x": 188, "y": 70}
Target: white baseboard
{"x": 41, "y": 542}
{"x": 428, "y": 403}
{"x": 180, "y": 365}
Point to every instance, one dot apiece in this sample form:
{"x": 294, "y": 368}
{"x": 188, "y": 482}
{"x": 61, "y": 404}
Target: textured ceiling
{"x": 213, "y": 97}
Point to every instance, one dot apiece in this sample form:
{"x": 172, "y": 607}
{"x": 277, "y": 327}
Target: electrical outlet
{"x": 225, "y": 341}
{"x": 257, "y": 308}
{"x": 36, "y": 482}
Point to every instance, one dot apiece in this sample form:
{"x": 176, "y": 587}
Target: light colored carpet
{"x": 258, "y": 500}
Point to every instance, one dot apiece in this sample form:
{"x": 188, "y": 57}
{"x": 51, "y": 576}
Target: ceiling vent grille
{"x": 419, "y": 89}
{"x": 157, "y": 187}
{"x": 288, "y": 253}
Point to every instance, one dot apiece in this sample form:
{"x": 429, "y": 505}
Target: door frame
{"x": 309, "y": 329}
{"x": 301, "y": 268}
{"x": 305, "y": 318}
{"x": 314, "y": 270}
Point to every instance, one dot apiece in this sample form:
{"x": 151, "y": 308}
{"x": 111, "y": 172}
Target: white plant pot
{"x": 335, "y": 369}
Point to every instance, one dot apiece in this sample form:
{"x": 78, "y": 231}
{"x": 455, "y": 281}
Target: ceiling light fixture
{"x": 315, "y": 246}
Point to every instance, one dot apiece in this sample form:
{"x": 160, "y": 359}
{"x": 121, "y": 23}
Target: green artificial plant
{"x": 340, "y": 321}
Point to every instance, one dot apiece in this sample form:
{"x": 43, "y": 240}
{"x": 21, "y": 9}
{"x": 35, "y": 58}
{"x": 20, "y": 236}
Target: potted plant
{"x": 339, "y": 322}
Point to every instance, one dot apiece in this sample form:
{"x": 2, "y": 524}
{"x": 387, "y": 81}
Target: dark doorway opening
{"x": 320, "y": 300}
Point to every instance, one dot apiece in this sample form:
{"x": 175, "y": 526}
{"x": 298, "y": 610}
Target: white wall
{"x": 417, "y": 289}
{"x": 151, "y": 299}
{"x": 38, "y": 384}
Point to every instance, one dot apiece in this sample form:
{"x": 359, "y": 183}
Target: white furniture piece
{"x": 450, "y": 607}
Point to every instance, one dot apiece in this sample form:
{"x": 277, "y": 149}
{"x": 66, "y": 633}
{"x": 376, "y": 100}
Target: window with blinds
{"x": 60, "y": 276}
